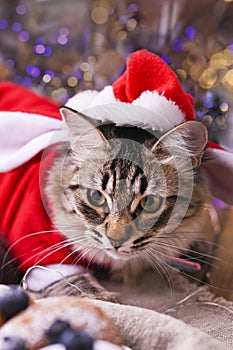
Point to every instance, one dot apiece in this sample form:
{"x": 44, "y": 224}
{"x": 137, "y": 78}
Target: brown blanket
{"x": 154, "y": 315}
{"x": 186, "y": 317}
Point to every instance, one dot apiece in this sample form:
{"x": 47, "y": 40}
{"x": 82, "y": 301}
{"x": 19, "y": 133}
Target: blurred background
{"x": 59, "y": 47}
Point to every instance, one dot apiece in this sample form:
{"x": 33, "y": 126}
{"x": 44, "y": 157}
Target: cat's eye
{"x": 151, "y": 204}
{"x": 96, "y": 198}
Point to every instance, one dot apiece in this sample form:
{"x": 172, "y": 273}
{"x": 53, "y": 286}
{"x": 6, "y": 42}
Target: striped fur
{"x": 126, "y": 166}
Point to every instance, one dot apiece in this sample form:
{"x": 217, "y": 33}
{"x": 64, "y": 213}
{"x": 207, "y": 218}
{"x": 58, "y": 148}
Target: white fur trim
{"x": 91, "y": 98}
{"x": 150, "y": 110}
{"x": 23, "y": 135}
{"x": 81, "y": 100}
{"x": 159, "y": 104}
{"x": 126, "y": 114}
{"x": 105, "y": 96}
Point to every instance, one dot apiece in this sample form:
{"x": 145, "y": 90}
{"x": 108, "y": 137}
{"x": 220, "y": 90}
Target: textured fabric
{"x": 156, "y": 315}
{"x": 153, "y": 315}
{"x": 145, "y": 329}
{"x": 16, "y": 98}
{"x": 27, "y": 124}
{"x": 24, "y": 221}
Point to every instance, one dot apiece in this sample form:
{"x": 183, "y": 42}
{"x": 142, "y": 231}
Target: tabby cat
{"x": 127, "y": 197}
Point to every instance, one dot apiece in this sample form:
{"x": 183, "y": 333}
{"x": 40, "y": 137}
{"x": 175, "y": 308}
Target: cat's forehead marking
{"x": 123, "y": 180}
{"x": 110, "y": 186}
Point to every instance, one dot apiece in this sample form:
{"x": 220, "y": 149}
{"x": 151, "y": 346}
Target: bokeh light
{"x": 62, "y": 47}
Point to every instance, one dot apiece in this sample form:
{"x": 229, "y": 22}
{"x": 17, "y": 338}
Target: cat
{"x": 125, "y": 197}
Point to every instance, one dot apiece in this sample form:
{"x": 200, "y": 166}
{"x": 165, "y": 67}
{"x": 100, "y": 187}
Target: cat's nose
{"x": 118, "y": 242}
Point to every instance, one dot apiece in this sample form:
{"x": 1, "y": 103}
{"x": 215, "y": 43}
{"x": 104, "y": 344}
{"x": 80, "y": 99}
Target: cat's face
{"x": 121, "y": 194}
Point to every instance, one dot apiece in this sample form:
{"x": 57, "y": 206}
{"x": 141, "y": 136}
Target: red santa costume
{"x": 28, "y": 121}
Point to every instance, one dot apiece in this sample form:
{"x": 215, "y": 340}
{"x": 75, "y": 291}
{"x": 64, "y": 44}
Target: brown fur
{"x": 127, "y": 165}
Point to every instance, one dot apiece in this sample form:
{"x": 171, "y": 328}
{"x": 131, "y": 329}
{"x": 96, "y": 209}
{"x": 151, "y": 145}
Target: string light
{"x": 72, "y": 81}
{"x": 99, "y": 15}
{"x": 81, "y": 48}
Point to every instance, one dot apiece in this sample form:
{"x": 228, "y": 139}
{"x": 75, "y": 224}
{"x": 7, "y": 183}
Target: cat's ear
{"x": 83, "y": 133}
{"x": 190, "y": 137}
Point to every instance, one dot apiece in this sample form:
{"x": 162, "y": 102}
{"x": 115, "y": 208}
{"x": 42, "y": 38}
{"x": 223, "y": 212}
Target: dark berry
{"x": 13, "y": 301}
{"x": 12, "y": 343}
{"x": 55, "y": 331}
{"x": 76, "y": 340}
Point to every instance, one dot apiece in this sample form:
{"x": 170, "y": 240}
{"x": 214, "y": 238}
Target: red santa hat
{"x": 147, "y": 95}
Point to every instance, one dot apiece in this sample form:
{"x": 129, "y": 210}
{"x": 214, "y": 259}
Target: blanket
{"x": 173, "y": 312}
{"x": 156, "y": 315}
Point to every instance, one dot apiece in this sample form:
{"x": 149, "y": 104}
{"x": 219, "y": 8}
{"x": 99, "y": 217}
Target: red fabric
{"x": 22, "y": 214}
{"x": 147, "y": 71}
{"x": 214, "y": 145}
{"x": 17, "y": 98}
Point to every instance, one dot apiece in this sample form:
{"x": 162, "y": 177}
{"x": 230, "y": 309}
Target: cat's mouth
{"x": 180, "y": 263}
{"x": 120, "y": 253}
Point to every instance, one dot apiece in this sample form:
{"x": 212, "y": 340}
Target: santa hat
{"x": 147, "y": 95}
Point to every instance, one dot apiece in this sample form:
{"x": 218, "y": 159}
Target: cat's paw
{"x": 42, "y": 282}
{"x": 84, "y": 285}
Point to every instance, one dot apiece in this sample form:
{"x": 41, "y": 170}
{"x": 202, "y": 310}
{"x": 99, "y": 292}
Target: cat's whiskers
{"x": 187, "y": 253}
{"x": 50, "y": 250}
{"x": 73, "y": 252}
{"x": 166, "y": 263}
{"x": 214, "y": 245}
{"x": 92, "y": 258}
{"x": 157, "y": 265}
{"x": 85, "y": 253}
{"x": 8, "y": 251}
{"x": 163, "y": 262}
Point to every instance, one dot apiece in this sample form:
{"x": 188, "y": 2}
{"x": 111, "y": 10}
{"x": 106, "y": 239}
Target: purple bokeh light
{"x": 3, "y": 24}
{"x": 21, "y": 9}
{"x": 48, "y": 51}
{"x": 62, "y": 40}
{"x": 133, "y": 7}
{"x": 27, "y": 81}
{"x": 10, "y": 63}
{"x": 24, "y": 36}
{"x": 77, "y": 73}
{"x": 39, "y": 49}
{"x": 86, "y": 36}
{"x": 230, "y": 48}
{"x": 16, "y": 27}
{"x": 178, "y": 45}
{"x": 208, "y": 101}
{"x": 190, "y": 32}
{"x": 63, "y": 31}
{"x": 40, "y": 41}
{"x": 123, "y": 19}
{"x": 50, "y": 73}
{"x": 34, "y": 71}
